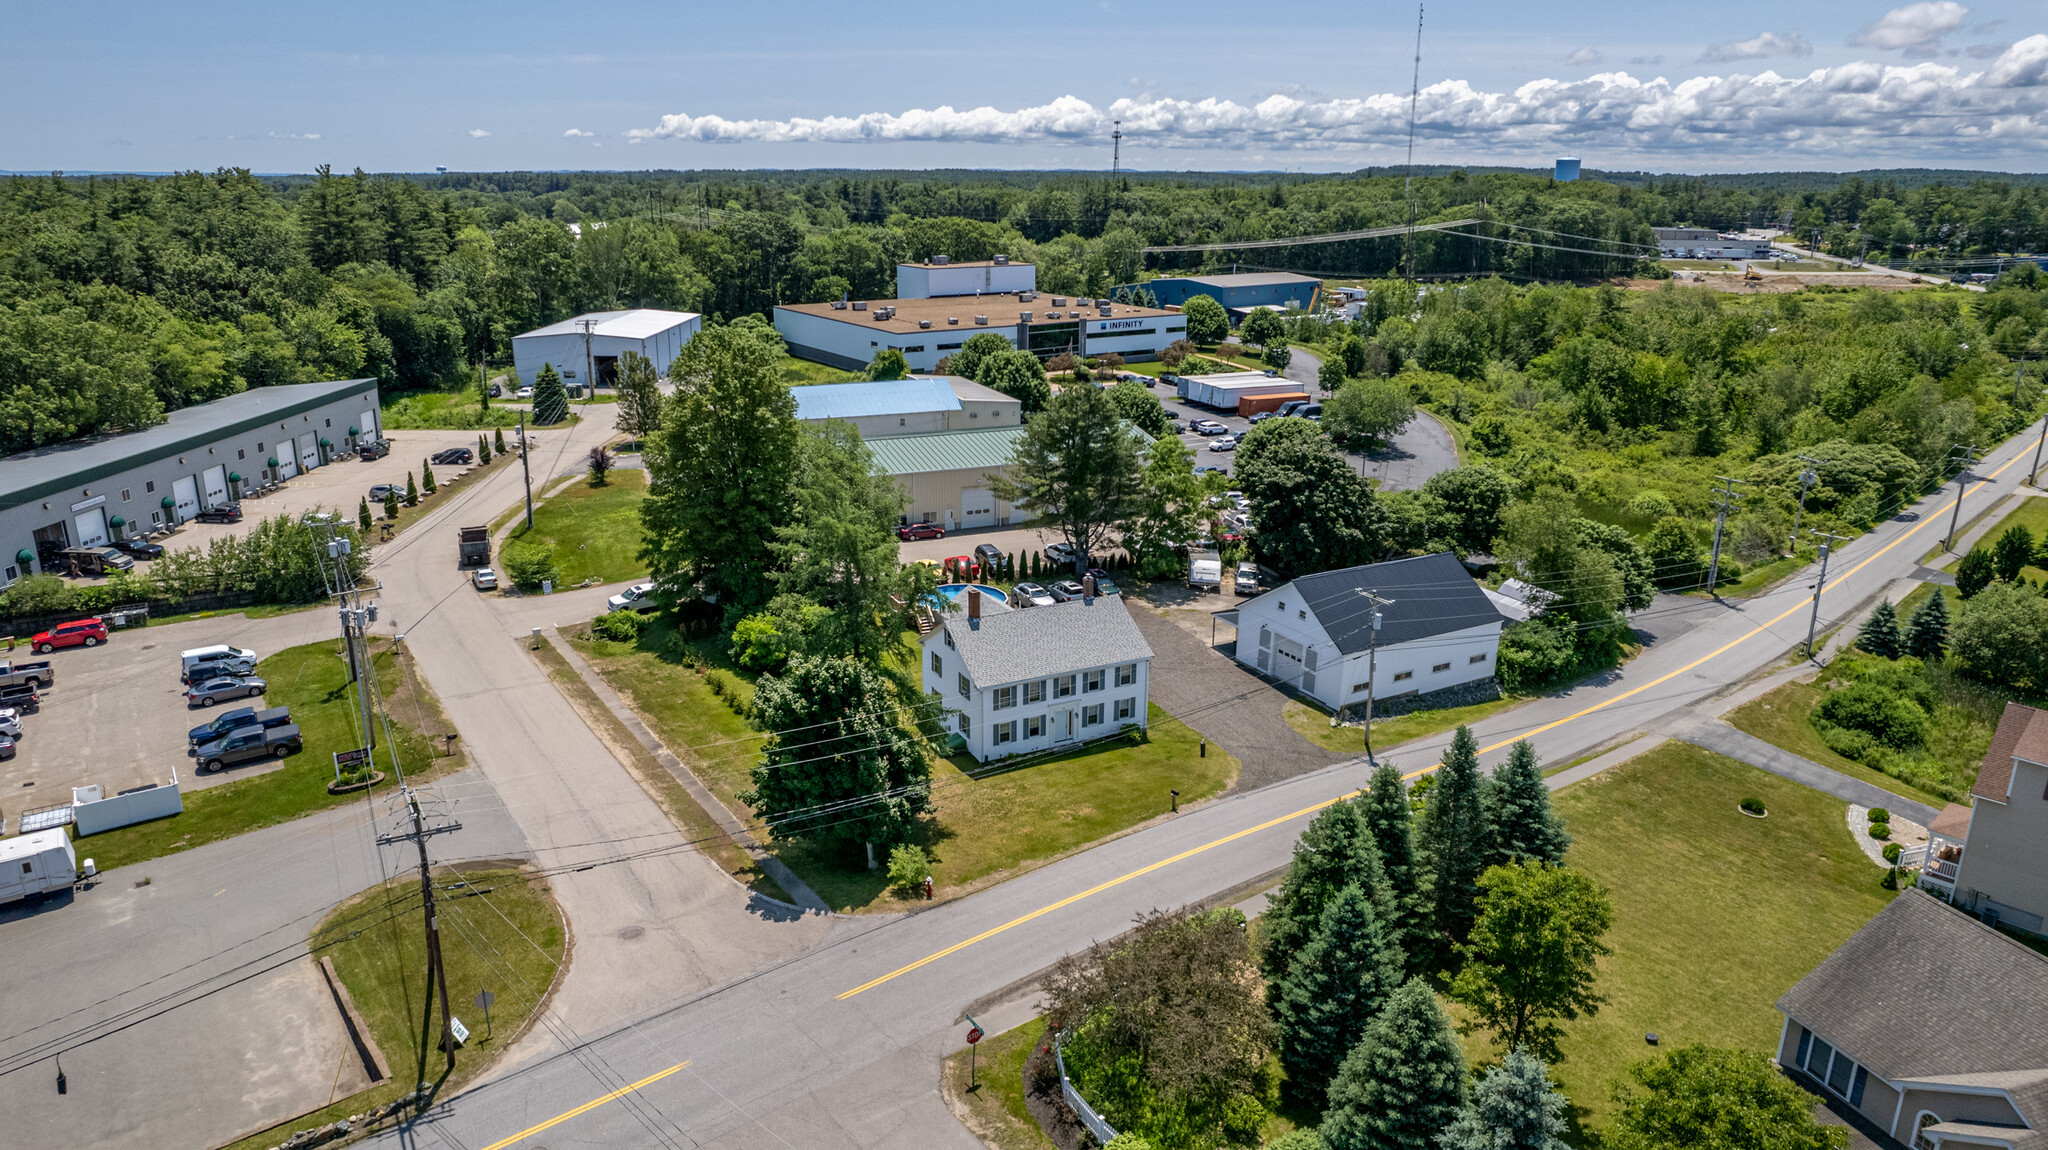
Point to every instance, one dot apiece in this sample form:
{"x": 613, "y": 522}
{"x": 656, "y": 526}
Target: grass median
{"x": 1313, "y": 723}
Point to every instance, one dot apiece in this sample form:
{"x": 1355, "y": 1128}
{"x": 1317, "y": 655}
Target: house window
{"x": 330, "y": 421}
{"x": 1126, "y": 709}
{"x": 1035, "y": 692}
{"x": 965, "y": 690}
{"x": 963, "y": 726}
{"x": 1920, "y": 1140}
{"x": 1404, "y": 675}
{"x": 1063, "y": 687}
{"x": 1034, "y": 727}
{"x": 1479, "y": 658}
{"x": 259, "y": 445}
{"x": 125, "y": 496}
{"x": 149, "y": 487}
{"x": 1091, "y": 716}
{"x": 1005, "y": 732}
{"x": 241, "y": 453}
{"x": 1091, "y": 680}
{"x": 13, "y": 574}
{"x": 1006, "y": 697}
{"x": 156, "y": 517}
{"x": 949, "y": 638}
{"x": 1126, "y": 674}
{"x": 938, "y": 664}
{"x": 1440, "y": 668}
{"x": 1301, "y": 614}
{"x": 1360, "y": 689}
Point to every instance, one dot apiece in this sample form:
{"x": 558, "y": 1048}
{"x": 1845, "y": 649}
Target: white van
{"x": 35, "y": 864}
{"x": 219, "y": 659}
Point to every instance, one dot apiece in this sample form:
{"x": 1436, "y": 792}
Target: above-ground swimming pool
{"x": 955, "y": 592}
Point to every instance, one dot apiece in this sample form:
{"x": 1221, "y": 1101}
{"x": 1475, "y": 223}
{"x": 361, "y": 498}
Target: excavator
{"x": 1749, "y": 272}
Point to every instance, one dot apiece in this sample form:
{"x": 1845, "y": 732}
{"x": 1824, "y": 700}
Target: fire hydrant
{"x": 927, "y": 888}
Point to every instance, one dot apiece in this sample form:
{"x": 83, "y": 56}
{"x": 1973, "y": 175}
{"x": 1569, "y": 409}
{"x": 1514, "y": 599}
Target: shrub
{"x": 758, "y": 643}
{"x": 1242, "y": 1117}
{"x": 1880, "y": 830}
{"x": 1753, "y": 805}
{"x": 619, "y": 626}
{"x": 727, "y": 688}
{"x": 1892, "y": 851}
{"x": 1880, "y": 815}
{"x": 908, "y": 866}
{"x": 1888, "y": 717}
{"x": 1849, "y": 744}
{"x": 530, "y": 565}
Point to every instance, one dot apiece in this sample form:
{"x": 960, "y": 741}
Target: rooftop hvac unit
{"x": 1105, "y": 309}
{"x": 939, "y": 260}
{"x": 982, "y": 320}
{"x": 1001, "y": 261}
{"x": 1059, "y": 301}
{"x": 924, "y": 323}
{"x": 952, "y": 321}
{"x": 1028, "y": 295}
{"x": 838, "y": 305}
{"x": 860, "y": 305}
{"x": 1024, "y": 316}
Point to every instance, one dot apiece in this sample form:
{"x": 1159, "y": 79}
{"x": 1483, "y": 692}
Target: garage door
{"x": 368, "y": 424}
{"x": 92, "y": 527}
{"x": 213, "y": 483}
{"x": 185, "y": 497}
{"x": 309, "y": 451}
{"x": 977, "y": 508}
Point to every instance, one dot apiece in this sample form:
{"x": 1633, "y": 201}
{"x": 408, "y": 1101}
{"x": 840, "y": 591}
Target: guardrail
{"x": 1102, "y": 1130}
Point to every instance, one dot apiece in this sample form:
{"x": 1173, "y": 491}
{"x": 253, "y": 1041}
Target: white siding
{"x": 1279, "y": 625}
{"x": 1063, "y": 719}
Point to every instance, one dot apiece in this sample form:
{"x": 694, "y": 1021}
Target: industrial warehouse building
{"x": 656, "y": 334}
{"x": 911, "y": 406}
{"x": 1237, "y": 292}
{"x": 1708, "y": 244}
{"x": 926, "y": 329}
{"x": 946, "y": 473}
{"x": 1228, "y": 391}
{"x": 88, "y": 492}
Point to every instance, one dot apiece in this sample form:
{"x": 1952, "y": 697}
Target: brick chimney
{"x": 974, "y": 603}
{"x": 1088, "y": 588}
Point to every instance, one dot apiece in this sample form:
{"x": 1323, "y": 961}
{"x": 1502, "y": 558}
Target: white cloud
{"x": 477, "y": 133}
{"x": 578, "y": 132}
{"x": 1758, "y": 47}
{"x": 1850, "y": 110}
{"x": 1915, "y": 30}
{"x": 1584, "y": 56}
{"x": 1646, "y": 61}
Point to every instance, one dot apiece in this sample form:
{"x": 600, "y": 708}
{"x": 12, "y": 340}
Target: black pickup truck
{"x": 249, "y": 743}
{"x": 236, "y": 719}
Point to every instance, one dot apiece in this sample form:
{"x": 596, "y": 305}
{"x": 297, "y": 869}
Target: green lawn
{"x": 2030, "y": 513}
{"x": 1716, "y": 914}
{"x": 799, "y": 372}
{"x": 443, "y": 411}
{"x": 1314, "y": 724}
{"x": 500, "y": 932}
{"x": 995, "y": 1106}
{"x": 313, "y": 681}
{"x": 985, "y": 827}
{"x": 595, "y": 531}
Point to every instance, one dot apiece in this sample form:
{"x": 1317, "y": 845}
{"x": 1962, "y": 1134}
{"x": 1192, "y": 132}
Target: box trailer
{"x": 1254, "y": 404}
{"x": 1205, "y": 571}
{"x": 36, "y": 864}
{"x": 1223, "y": 391}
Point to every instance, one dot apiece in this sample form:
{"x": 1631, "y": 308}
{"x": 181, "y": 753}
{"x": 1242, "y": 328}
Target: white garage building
{"x": 656, "y": 334}
{"x": 911, "y": 406}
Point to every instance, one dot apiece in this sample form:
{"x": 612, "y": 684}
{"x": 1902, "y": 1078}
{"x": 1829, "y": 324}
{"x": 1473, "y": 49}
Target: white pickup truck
{"x": 37, "y": 674}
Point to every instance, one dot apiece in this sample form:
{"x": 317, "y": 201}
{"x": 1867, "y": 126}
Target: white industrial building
{"x": 1708, "y": 244}
{"x": 1225, "y": 389}
{"x": 1019, "y": 681}
{"x": 1438, "y": 631}
{"x": 654, "y": 333}
{"x": 914, "y": 406}
{"x": 939, "y": 276}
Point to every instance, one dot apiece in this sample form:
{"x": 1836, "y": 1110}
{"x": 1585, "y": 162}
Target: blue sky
{"x": 1731, "y": 86}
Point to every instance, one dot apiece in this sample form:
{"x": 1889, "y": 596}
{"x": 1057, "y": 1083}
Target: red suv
{"x": 83, "y": 633}
{"x": 919, "y": 531}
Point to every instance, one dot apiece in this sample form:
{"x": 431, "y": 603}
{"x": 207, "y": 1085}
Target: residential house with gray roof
{"x": 1991, "y": 857}
{"x": 1039, "y": 678}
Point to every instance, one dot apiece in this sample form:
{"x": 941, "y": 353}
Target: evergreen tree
{"x": 391, "y": 503}
{"x": 1403, "y": 1083}
{"x": 1880, "y": 634}
{"x": 412, "y": 491}
{"x": 427, "y": 478}
{"x": 1927, "y": 631}
{"x": 363, "y": 514}
{"x": 483, "y": 450}
{"x": 1389, "y": 817}
{"x": 1332, "y": 991}
{"x": 1514, "y": 1107}
{"x": 498, "y": 440}
{"x": 1458, "y": 837}
{"x": 1975, "y": 572}
{"x": 550, "y": 399}
{"x": 2013, "y": 552}
{"x": 1525, "y": 827}
{"x": 1334, "y": 852}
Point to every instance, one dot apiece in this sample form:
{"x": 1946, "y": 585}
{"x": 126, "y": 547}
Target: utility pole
{"x": 1818, "y": 585}
{"x": 589, "y": 380}
{"x": 1807, "y": 479}
{"x": 2034, "y": 475}
{"x": 437, "y": 973}
{"x": 356, "y": 618}
{"x": 1372, "y": 653}
{"x": 1116, "y": 154}
{"x": 1966, "y": 456}
{"x": 1408, "y": 183}
{"x": 1722, "y": 506}
{"x": 526, "y": 470}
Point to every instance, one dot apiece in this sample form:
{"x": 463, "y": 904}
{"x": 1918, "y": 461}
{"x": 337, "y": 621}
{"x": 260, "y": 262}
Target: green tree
{"x": 1472, "y": 499}
{"x": 1458, "y": 835}
{"x": 1525, "y": 826}
{"x": 1514, "y": 1106}
{"x": 550, "y": 399}
{"x": 908, "y": 868}
{"x": 1207, "y": 321}
{"x": 1531, "y": 956}
{"x": 1136, "y": 403}
{"x": 888, "y": 363}
{"x": 1330, "y": 375}
{"x": 1389, "y": 819}
{"x": 412, "y": 491}
{"x": 1927, "y": 630}
{"x": 483, "y": 450}
{"x": 529, "y": 564}
{"x": 639, "y": 396}
{"x": 1075, "y": 469}
{"x": 2001, "y": 637}
{"x": 427, "y": 477}
{"x": 1403, "y": 1083}
{"x": 599, "y": 463}
{"x": 839, "y": 548}
{"x": 974, "y": 352}
{"x": 1880, "y": 634}
{"x": 1314, "y": 513}
{"x": 720, "y": 471}
{"x": 1277, "y": 355}
{"x": 1262, "y": 328}
{"x": 1332, "y": 991}
{"x": 363, "y": 514}
{"x": 2013, "y": 552}
{"x": 1367, "y": 414}
{"x": 839, "y": 767}
{"x": 1675, "y": 554}
{"x": 391, "y": 503}
{"x": 1975, "y": 572}
{"x": 1171, "y": 508}
{"x": 498, "y": 440}
{"x": 1710, "y": 1098}
{"x": 1019, "y": 375}
{"x": 1335, "y": 851}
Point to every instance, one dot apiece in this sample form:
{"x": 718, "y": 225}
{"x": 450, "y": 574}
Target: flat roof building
{"x": 939, "y": 276}
{"x": 1225, "y": 389}
{"x": 88, "y": 492}
{"x": 1708, "y": 244}
{"x": 911, "y": 406}
{"x": 849, "y": 334}
{"x": 654, "y": 333}
{"x": 1239, "y": 291}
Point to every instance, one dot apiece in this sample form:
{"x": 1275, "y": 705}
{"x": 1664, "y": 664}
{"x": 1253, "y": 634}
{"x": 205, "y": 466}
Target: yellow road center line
{"x": 1309, "y": 810}
{"x": 593, "y": 1104}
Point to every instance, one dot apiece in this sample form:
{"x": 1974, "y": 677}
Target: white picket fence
{"x": 1102, "y": 1130}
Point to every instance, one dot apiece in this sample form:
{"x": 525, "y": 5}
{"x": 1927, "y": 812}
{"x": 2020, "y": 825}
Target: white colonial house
{"x": 1438, "y": 630}
{"x": 1018, "y": 681}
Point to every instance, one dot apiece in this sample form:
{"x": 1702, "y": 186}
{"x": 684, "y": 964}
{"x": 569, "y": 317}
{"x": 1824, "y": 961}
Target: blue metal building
{"x": 1247, "y": 290}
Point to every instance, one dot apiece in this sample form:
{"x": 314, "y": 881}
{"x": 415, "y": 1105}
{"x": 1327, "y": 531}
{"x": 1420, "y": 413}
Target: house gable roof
{"x": 1432, "y": 595}
{"x": 2023, "y": 732}
{"x": 1036, "y": 642}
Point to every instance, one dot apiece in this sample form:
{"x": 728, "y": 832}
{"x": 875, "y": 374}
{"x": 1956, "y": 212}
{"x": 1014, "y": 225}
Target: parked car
{"x": 6, "y": 747}
{"x": 484, "y": 579}
{"x": 523, "y": 393}
{"x": 1208, "y": 427}
{"x": 1262, "y": 416}
{"x": 250, "y": 743}
{"x": 10, "y": 723}
{"x": 1291, "y": 406}
{"x": 1237, "y": 499}
{"x": 988, "y": 554}
{"x": 1107, "y": 587}
{"x": 1208, "y": 469}
{"x": 496, "y": 391}
{"x": 207, "y": 692}
{"x": 639, "y": 597}
{"x": 963, "y": 567}
{"x": 454, "y": 456}
{"x": 213, "y": 662}
{"x": 1031, "y": 595}
{"x": 81, "y": 633}
{"x": 1066, "y": 590}
{"x": 1227, "y": 443}
{"x": 21, "y": 697}
{"x": 1061, "y": 554}
{"x": 380, "y": 491}
{"x": 236, "y": 719}
{"x": 225, "y": 513}
{"x": 911, "y": 531}
{"x": 139, "y": 548}
{"x": 370, "y": 450}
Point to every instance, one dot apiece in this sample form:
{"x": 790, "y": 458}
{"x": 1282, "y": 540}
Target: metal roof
{"x": 986, "y": 449}
{"x": 1249, "y": 279}
{"x": 1432, "y": 595}
{"x": 634, "y": 323}
{"x": 46, "y": 470}
{"x": 889, "y": 397}
{"x": 1011, "y": 646}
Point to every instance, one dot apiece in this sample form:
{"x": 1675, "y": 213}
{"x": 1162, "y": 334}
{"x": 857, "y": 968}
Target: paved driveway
{"x": 1421, "y": 450}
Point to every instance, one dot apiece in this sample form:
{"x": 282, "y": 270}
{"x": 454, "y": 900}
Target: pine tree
{"x": 1333, "y": 853}
{"x": 2013, "y": 552}
{"x": 1524, "y": 825}
{"x": 1388, "y": 818}
{"x": 1927, "y": 631}
{"x": 550, "y": 399}
{"x": 1403, "y": 1083}
{"x": 1514, "y": 1107}
{"x": 1333, "y": 990}
{"x": 1975, "y": 572}
{"x": 412, "y": 491}
{"x": 427, "y": 477}
{"x": 363, "y": 514}
{"x": 498, "y": 440}
{"x": 391, "y": 503}
{"x": 483, "y": 450}
{"x": 1880, "y": 634}
{"x": 1458, "y": 837}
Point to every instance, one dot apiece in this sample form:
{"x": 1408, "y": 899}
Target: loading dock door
{"x": 214, "y": 484}
{"x": 287, "y": 463}
{"x": 92, "y": 527}
{"x": 368, "y": 425}
{"x": 977, "y": 508}
{"x": 185, "y": 497}
{"x": 309, "y": 451}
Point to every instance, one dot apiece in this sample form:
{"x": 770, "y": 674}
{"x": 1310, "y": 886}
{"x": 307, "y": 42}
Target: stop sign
{"x": 974, "y": 1036}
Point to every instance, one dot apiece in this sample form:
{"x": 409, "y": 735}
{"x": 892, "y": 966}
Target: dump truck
{"x": 475, "y": 546}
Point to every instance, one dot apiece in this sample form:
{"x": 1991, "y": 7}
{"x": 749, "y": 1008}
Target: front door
{"x": 185, "y": 497}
